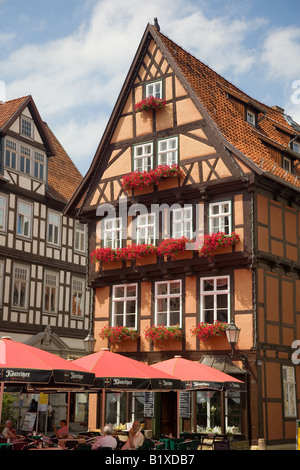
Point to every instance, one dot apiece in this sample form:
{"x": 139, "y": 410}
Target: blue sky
{"x": 72, "y": 56}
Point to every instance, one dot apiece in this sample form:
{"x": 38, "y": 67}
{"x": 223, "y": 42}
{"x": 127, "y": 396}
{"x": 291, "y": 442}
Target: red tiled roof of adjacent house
{"x": 212, "y": 91}
{"x": 63, "y": 176}
{"x": 9, "y": 108}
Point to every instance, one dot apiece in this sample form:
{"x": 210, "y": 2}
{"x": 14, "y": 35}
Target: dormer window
{"x": 26, "y": 127}
{"x": 287, "y": 164}
{"x": 154, "y": 89}
{"x": 296, "y": 147}
{"x": 250, "y": 116}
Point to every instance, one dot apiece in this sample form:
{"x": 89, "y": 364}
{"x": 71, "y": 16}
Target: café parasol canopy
{"x": 114, "y": 371}
{"x": 24, "y": 366}
{"x": 196, "y": 376}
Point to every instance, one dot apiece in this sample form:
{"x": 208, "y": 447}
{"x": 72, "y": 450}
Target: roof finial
{"x": 156, "y": 25}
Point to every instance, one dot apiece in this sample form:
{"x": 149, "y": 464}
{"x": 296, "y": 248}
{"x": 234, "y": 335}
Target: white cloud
{"x": 281, "y": 53}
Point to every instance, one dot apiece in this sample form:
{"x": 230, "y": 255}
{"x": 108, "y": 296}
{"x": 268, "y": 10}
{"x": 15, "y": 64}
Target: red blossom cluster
{"x": 117, "y": 334}
{"x": 140, "y": 179}
{"x": 217, "y": 240}
{"x": 127, "y": 253}
{"x": 172, "y": 246}
{"x": 160, "y": 333}
{"x": 149, "y": 103}
{"x": 205, "y": 331}
{"x": 169, "y": 247}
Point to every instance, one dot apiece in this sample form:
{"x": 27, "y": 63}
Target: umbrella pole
{"x": 178, "y": 418}
{"x": 103, "y": 409}
{"x": 1, "y": 399}
{"x": 68, "y": 415}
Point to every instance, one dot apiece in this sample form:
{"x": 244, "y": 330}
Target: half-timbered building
{"x": 238, "y": 161}
{"x": 42, "y": 253}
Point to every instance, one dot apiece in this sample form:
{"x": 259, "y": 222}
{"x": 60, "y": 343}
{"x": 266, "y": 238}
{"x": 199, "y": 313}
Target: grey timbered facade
{"x": 43, "y": 255}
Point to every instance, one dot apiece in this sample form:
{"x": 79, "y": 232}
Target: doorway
{"x": 168, "y": 413}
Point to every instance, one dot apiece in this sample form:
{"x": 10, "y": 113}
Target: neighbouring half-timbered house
{"x": 229, "y": 180}
{"x": 44, "y": 301}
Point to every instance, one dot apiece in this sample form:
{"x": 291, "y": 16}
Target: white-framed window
{"x": 289, "y": 392}
{"x": 53, "y": 228}
{"x": 10, "y": 154}
{"x": 1, "y": 281}
{"x": 124, "y": 305}
{"x": 251, "y": 117}
{"x": 296, "y": 147}
{"x": 220, "y": 217}
{"x": 182, "y": 222}
{"x": 24, "y": 219}
{"x": 143, "y": 157}
{"x": 167, "y": 151}
{"x": 154, "y": 89}
{"x": 168, "y": 303}
{"x": 39, "y": 165}
{"x": 145, "y": 229}
{"x": 26, "y": 127}
{"x": 50, "y": 292}
{"x": 20, "y": 286}
{"x": 112, "y": 233}
{"x": 287, "y": 164}
{"x": 3, "y": 212}
{"x": 80, "y": 237}
{"x": 77, "y": 300}
{"x": 215, "y": 299}
{"x": 25, "y": 160}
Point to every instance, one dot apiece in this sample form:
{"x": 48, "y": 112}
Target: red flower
{"x": 117, "y": 334}
{"x": 149, "y": 103}
{"x": 160, "y": 333}
{"x": 138, "y": 180}
{"x": 205, "y": 331}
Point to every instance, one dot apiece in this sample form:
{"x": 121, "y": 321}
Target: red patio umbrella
{"x": 24, "y": 365}
{"x": 114, "y": 371}
{"x": 196, "y": 376}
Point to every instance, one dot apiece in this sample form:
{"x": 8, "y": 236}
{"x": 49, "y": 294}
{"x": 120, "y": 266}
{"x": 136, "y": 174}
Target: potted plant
{"x": 205, "y": 331}
{"x": 141, "y": 179}
{"x": 213, "y": 241}
{"x": 149, "y": 103}
{"x": 161, "y": 333}
{"x": 117, "y": 334}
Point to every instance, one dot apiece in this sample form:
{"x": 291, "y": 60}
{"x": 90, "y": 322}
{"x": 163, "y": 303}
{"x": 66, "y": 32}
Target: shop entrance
{"x": 168, "y": 413}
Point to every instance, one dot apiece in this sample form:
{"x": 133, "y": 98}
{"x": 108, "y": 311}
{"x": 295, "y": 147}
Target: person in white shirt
{"x": 106, "y": 440}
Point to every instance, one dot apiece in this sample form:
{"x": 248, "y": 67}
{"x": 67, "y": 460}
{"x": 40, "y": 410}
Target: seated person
{"x": 135, "y": 437}
{"x": 105, "y": 440}
{"x": 63, "y": 431}
{"x": 8, "y": 432}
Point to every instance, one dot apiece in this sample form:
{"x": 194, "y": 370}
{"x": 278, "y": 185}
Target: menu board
{"x": 149, "y": 405}
{"x": 184, "y": 405}
{"x": 29, "y": 421}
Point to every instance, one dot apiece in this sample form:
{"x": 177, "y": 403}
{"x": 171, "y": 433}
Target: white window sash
{"x": 146, "y": 229}
{"x": 154, "y": 89}
{"x": 80, "y": 237}
{"x": 112, "y": 233}
{"x": 20, "y": 287}
{"x": 169, "y": 154}
{"x": 78, "y": 297}
{"x": 143, "y": 157}
{"x": 53, "y": 228}
{"x": 24, "y": 217}
{"x": 168, "y": 297}
{"x": 217, "y": 222}
{"x": 182, "y": 222}
{"x": 124, "y": 300}
{"x": 214, "y": 293}
{"x": 51, "y": 288}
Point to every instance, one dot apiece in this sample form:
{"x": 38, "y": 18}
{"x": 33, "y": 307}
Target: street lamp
{"x": 89, "y": 343}
{"x": 232, "y": 333}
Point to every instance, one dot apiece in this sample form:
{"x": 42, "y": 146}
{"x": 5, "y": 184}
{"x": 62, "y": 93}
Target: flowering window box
{"x": 149, "y": 103}
{"x": 204, "y": 331}
{"x": 214, "y": 241}
{"x": 161, "y": 333}
{"x": 117, "y": 334}
{"x": 171, "y": 247}
{"x": 141, "y": 179}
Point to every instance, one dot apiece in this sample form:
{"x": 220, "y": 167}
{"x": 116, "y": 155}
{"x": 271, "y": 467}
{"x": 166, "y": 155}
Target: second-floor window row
{"x": 168, "y": 305}
{"x": 144, "y": 229}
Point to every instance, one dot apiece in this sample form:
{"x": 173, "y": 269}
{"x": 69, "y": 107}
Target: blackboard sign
{"x": 184, "y": 405}
{"x": 149, "y": 405}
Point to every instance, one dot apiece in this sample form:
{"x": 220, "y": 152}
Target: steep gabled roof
{"x": 63, "y": 176}
{"x": 211, "y": 94}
